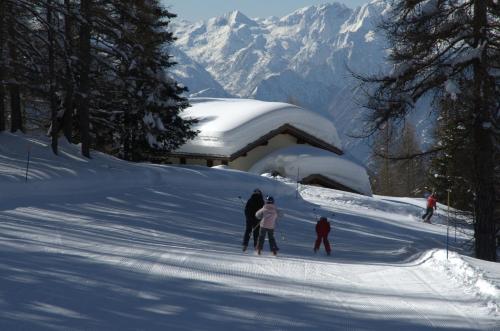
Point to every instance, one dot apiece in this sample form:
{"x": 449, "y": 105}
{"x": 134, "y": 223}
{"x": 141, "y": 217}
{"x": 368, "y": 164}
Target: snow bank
{"x": 478, "y": 277}
{"x": 306, "y": 160}
{"x": 69, "y": 172}
{"x": 228, "y": 125}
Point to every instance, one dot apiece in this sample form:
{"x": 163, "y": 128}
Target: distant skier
{"x": 268, "y": 216}
{"x": 255, "y": 203}
{"x": 322, "y": 231}
{"x": 431, "y": 206}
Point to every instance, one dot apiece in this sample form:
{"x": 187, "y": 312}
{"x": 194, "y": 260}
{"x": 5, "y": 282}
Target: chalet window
{"x": 182, "y": 160}
{"x": 210, "y": 163}
{"x": 224, "y": 162}
{"x": 300, "y": 141}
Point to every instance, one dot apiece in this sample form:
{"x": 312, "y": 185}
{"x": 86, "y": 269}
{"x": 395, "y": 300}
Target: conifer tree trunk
{"x": 2, "y": 65}
{"x": 54, "y": 132}
{"x": 85, "y": 59}
{"x": 484, "y": 157}
{"x": 387, "y": 178}
{"x": 67, "y": 120}
{"x": 16, "y": 120}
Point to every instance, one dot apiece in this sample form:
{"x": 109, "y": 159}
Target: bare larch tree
{"x": 448, "y": 47}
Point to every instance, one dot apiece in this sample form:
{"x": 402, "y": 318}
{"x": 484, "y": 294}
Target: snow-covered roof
{"x": 306, "y": 161}
{"x": 228, "y": 125}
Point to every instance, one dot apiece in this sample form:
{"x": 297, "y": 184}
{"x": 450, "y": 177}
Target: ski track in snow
{"x": 160, "y": 255}
{"x": 308, "y": 281}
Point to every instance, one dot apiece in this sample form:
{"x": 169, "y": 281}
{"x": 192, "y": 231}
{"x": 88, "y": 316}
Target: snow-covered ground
{"x": 108, "y": 245}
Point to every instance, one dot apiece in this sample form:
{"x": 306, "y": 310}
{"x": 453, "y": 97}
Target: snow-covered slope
{"x": 103, "y": 244}
{"x": 303, "y": 57}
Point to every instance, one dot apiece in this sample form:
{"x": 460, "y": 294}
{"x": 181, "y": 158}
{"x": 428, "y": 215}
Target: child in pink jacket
{"x": 268, "y": 216}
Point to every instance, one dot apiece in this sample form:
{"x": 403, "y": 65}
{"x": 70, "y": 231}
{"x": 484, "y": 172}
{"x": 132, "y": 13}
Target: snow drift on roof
{"x": 306, "y": 160}
{"x": 228, "y": 125}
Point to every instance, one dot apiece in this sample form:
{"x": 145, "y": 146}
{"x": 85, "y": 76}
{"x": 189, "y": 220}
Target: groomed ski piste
{"x": 103, "y": 244}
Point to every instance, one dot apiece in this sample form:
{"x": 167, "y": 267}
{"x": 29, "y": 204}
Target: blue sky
{"x": 193, "y": 10}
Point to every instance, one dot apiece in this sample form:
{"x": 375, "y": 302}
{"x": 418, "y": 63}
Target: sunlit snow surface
{"x": 101, "y": 244}
{"x": 298, "y": 162}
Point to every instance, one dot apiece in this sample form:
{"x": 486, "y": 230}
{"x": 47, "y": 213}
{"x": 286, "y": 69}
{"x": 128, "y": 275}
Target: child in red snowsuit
{"x": 322, "y": 231}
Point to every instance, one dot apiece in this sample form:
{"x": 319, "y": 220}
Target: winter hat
{"x": 269, "y": 199}
{"x": 257, "y": 191}
{"x": 322, "y": 218}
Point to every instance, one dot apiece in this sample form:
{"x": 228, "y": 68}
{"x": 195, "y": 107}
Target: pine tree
{"x": 17, "y": 28}
{"x": 84, "y": 73}
{"x": 149, "y": 121}
{"x": 395, "y": 171}
{"x": 107, "y": 59}
{"x": 409, "y": 171}
{"x": 52, "y": 75}
{"x": 57, "y": 62}
{"x": 452, "y": 169}
{"x": 3, "y": 65}
{"x": 69, "y": 72}
{"x": 439, "y": 46}
{"x": 381, "y": 164}
{"x": 28, "y": 47}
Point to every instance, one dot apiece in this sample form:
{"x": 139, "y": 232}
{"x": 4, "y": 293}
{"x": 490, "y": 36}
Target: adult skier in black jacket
{"x": 255, "y": 203}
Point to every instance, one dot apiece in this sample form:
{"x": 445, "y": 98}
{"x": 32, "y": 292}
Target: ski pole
{"x": 297, "y": 188}
{"x": 316, "y": 215}
{"x": 281, "y": 232}
{"x": 28, "y": 163}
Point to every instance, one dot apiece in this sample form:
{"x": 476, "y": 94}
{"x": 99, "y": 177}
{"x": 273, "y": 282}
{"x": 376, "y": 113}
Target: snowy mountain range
{"x": 302, "y": 58}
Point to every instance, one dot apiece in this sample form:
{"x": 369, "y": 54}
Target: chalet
{"x": 241, "y": 133}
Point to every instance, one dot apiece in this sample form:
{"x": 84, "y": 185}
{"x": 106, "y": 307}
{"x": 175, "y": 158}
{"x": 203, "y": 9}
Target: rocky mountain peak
{"x": 303, "y": 56}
